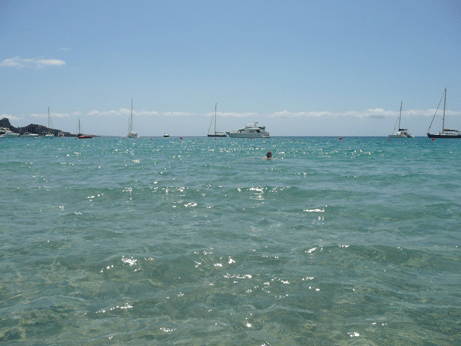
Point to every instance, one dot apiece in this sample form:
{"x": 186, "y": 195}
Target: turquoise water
{"x": 201, "y": 241}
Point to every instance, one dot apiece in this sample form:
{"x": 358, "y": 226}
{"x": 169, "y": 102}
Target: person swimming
{"x": 268, "y": 155}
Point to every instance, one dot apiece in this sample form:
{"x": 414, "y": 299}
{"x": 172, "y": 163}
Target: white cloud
{"x": 10, "y": 117}
{"x": 237, "y": 115}
{"x": 377, "y": 113}
{"x": 124, "y": 112}
{"x": 146, "y": 113}
{"x": 52, "y": 115}
{"x": 38, "y": 63}
{"x": 11, "y": 63}
{"x": 105, "y": 113}
{"x": 286, "y": 114}
{"x": 50, "y": 62}
{"x": 431, "y": 112}
{"x": 60, "y": 115}
{"x": 178, "y": 114}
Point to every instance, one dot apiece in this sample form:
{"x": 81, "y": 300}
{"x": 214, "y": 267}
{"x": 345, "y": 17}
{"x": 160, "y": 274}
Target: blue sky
{"x": 338, "y": 68}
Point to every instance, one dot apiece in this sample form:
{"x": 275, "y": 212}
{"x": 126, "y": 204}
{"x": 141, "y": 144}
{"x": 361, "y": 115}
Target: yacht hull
{"x": 401, "y": 136}
{"x": 246, "y": 135}
{"x": 443, "y": 135}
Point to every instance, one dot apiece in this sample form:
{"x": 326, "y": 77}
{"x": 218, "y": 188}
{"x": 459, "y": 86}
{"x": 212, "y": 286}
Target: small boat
{"x": 50, "y": 126}
{"x": 132, "y": 134}
{"x": 250, "y": 131}
{"x": 445, "y": 133}
{"x": 401, "y": 133}
{"x": 80, "y": 135}
{"x": 29, "y": 135}
{"x": 7, "y": 133}
{"x": 166, "y": 135}
{"x": 215, "y": 134}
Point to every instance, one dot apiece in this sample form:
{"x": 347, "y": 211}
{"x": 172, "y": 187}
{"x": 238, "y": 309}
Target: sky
{"x": 300, "y": 68}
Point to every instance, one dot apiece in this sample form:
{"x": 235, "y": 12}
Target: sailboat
{"x": 445, "y": 133}
{"x": 215, "y": 134}
{"x": 132, "y": 134}
{"x": 50, "y": 126}
{"x": 401, "y": 133}
{"x": 80, "y": 134}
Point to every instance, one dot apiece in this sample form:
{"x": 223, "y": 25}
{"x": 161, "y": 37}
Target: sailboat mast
{"x": 444, "y": 104}
{"x": 215, "y": 106}
{"x": 400, "y": 116}
{"x": 131, "y": 122}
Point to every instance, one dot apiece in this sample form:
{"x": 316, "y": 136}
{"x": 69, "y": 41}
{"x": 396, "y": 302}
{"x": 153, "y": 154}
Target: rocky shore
{"x": 34, "y": 128}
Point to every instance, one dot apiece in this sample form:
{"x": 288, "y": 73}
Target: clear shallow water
{"x": 201, "y": 241}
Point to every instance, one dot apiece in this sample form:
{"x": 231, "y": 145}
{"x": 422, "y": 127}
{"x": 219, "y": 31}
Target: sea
{"x": 202, "y": 241}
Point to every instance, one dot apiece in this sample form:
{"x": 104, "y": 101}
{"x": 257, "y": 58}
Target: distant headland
{"x": 34, "y": 128}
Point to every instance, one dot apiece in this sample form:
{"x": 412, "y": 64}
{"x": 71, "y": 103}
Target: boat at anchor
{"x": 401, "y": 133}
{"x": 7, "y": 133}
{"x": 215, "y": 134}
{"x": 80, "y": 135}
{"x": 50, "y": 133}
{"x": 445, "y": 133}
{"x": 29, "y": 135}
{"x": 132, "y": 134}
{"x": 250, "y": 131}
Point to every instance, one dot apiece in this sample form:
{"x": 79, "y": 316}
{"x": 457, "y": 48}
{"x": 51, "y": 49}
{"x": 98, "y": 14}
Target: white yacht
{"x": 7, "y": 133}
{"x": 132, "y": 134}
{"x": 29, "y": 135}
{"x": 400, "y": 133}
{"x": 250, "y": 131}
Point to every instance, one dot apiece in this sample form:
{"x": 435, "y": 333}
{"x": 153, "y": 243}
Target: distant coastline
{"x": 42, "y": 130}
{"x": 34, "y": 128}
